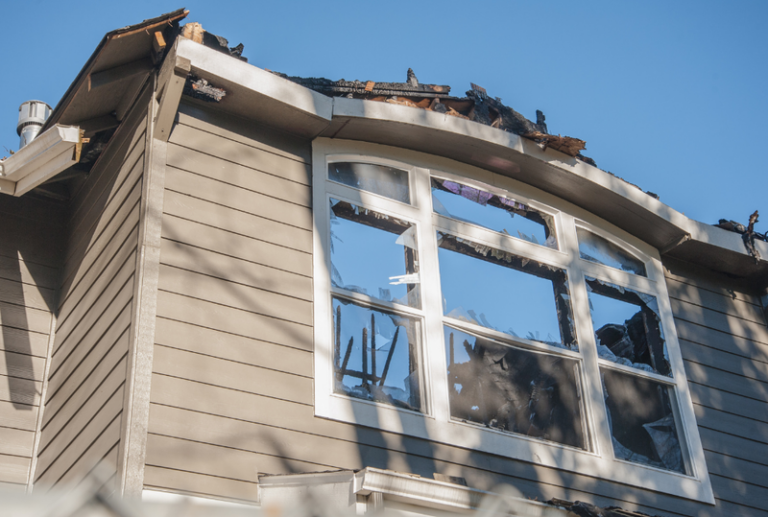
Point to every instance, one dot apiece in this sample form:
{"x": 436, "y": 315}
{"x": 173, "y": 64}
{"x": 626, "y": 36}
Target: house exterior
{"x": 225, "y": 283}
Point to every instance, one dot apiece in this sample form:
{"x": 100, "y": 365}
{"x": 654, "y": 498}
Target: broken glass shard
{"x": 498, "y": 213}
{"x": 514, "y": 390}
{"x": 505, "y": 292}
{"x": 601, "y": 251}
{"x": 374, "y": 254}
{"x": 642, "y": 421}
{"x": 627, "y": 327}
{"x": 379, "y": 179}
{"x": 376, "y": 355}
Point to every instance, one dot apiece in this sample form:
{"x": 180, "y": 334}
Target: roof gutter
{"x": 50, "y": 153}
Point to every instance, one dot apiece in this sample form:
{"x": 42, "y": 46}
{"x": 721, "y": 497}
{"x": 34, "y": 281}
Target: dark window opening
{"x": 627, "y": 327}
{"x": 642, "y": 421}
{"x": 512, "y": 389}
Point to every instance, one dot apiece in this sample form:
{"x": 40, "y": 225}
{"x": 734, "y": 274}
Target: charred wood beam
{"x": 342, "y": 87}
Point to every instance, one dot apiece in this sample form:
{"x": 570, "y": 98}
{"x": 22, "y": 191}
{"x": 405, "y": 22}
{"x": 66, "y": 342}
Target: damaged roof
{"x": 436, "y": 123}
{"x": 476, "y": 106}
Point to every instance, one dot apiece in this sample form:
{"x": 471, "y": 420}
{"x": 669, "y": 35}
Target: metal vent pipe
{"x": 32, "y": 116}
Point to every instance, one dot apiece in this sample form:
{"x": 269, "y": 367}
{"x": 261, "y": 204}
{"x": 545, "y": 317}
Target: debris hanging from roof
{"x": 477, "y": 106}
{"x": 196, "y": 33}
{"x": 748, "y": 234}
{"x": 202, "y": 89}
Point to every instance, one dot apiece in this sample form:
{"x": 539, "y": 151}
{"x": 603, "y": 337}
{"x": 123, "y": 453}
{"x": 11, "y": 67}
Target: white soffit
{"x": 50, "y": 153}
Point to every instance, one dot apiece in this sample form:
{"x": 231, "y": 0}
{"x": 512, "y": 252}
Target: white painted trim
{"x": 47, "y": 155}
{"x": 434, "y": 423}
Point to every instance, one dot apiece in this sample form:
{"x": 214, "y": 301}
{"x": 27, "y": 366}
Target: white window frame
{"x": 434, "y": 422}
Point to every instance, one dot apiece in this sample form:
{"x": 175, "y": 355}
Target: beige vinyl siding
{"x": 84, "y": 398}
{"x": 232, "y": 386}
{"x": 30, "y": 246}
{"x": 724, "y": 340}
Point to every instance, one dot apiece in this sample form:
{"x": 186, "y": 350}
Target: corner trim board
{"x": 133, "y": 440}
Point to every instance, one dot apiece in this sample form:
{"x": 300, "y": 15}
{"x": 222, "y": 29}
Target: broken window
{"x": 470, "y": 339}
{"x": 374, "y": 254}
{"x": 375, "y": 354}
{"x": 512, "y": 389}
{"x": 627, "y": 327}
{"x": 594, "y": 248}
{"x": 498, "y": 213}
{"x": 642, "y": 420}
{"x": 379, "y": 179}
{"x": 505, "y": 292}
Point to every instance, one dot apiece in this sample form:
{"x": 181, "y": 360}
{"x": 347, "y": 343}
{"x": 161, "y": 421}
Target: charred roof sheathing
{"x": 477, "y": 106}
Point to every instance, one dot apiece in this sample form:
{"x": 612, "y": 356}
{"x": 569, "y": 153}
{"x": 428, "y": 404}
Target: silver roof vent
{"x": 32, "y": 116}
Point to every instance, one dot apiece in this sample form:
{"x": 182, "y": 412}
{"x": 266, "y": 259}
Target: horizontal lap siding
{"x": 232, "y": 391}
{"x": 30, "y": 248}
{"x": 235, "y": 297}
{"x": 86, "y": 382}
{"x": 724, "y": 342}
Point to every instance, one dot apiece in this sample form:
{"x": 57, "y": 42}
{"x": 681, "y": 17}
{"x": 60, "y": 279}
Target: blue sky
{"x": 670, "y": 96}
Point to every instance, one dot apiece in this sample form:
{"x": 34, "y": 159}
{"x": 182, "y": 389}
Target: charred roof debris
{"x": 477, "y": 106}
{"x": 201, "y": 89}
{"x": 748, "y": 233}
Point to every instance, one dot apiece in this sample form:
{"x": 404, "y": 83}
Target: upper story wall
{"x": 232, "y": 391}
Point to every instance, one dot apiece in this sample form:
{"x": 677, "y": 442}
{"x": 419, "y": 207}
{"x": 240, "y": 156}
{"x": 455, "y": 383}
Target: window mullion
{"x": 593, "y": 392}
{"x": 436, "y": 379}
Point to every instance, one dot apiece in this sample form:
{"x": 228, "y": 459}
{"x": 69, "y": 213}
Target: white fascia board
{"x": 215, "y": 63}
{"x": 46, "y": 156}
{"x": 420, "y": 491}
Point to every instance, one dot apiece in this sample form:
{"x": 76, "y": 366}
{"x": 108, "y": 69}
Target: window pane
{"x": 641, "y": 420}
{"x": 379, "y": 179}
{"x": 376, "y": 354}
{"x": 627, "y": 327}
{"x": 515, "y": 390}
{"x": 374, "y": 254}
{"x": 504, "y": 292}
{"x": 493, "y": 212}
{"x": 596, "y": 249}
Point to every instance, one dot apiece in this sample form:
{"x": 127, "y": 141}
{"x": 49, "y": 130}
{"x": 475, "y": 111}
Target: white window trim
{"x": 434, "y": 423}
